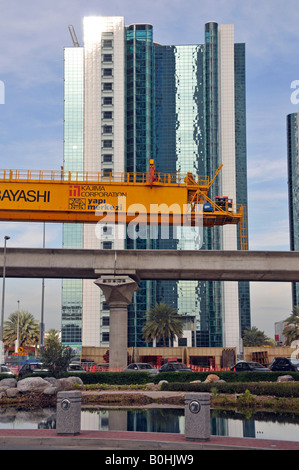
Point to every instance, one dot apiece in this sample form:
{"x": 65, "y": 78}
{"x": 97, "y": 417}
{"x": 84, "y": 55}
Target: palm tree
{"x": 254, "y": 337}
{"x": 52, "y": 336}
{"x": 28, "y": 329}
{"x": 291, "y": 331}
{"x": 163, "y": 323}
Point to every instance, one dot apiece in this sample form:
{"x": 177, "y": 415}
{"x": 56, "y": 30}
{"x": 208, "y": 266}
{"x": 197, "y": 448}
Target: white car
{"x": 5, "y": 370}
{"x": 140, "y": 367}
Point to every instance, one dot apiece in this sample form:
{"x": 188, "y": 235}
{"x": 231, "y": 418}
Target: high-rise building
{"x": 293, "y": 182}
{"x": 128, "y": 99}
{"x": 201, "y": 123}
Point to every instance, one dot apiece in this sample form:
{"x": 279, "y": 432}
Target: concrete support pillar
{"x": 118, "y": 291}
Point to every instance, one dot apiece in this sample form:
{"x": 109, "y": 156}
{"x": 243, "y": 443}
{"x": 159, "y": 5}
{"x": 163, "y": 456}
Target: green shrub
{"x": 114, "y": 378}
{"x": 128, "y": 378}
{"x": 284, "y": 389}
{"x": 6, "y": 376}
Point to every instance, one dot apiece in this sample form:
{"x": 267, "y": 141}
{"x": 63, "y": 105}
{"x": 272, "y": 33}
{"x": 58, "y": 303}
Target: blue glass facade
{"x": 139, "y": 147}
{"x": 171, "y": 115}
{"x": 187, "y": 130}
{"x": 241, "y": 167}
{"x": 71, "y": 316}
{"x": 293, "y": 182}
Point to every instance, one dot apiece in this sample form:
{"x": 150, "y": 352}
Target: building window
{"x": 107, "y": 72}
{"x": 107, "y": 86}
{"x": 107, "y": 100}
{"x": 107, "y": 57}
{"x": 182, "y": 342}
{"x": 107, "y": 172}
{"x": 105, "y": 306}
{"x": 107, "y": 144}
{"x": 107, "y": 43}
{"x": 105, "y": 321}
{"x": 107, "y": 129}
{"x": 107, "y": 115}
{"x": 105, "y": 337}
{"x": 107, "y": 245}
{"x": 107, "y": 158}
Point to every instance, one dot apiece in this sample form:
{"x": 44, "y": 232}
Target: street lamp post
{"x": 42, "y": 324}
{"x": 3, "y": 296}
{"x": 18, "y": 329}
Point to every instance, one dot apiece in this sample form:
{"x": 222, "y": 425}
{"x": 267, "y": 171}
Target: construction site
{"x": 146, "y": 198}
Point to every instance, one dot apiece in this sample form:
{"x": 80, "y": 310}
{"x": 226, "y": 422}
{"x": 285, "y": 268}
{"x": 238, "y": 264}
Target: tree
{"x": 52, "y": 335}
{"x": 291, "y": 331}
{"x": 162, "y": 323}
{"x": 56, "y": 358}
{"x": 28, "y": 329}
{"x": 254, "y": 337}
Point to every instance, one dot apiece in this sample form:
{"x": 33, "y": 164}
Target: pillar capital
{"x": 118, "y": 290}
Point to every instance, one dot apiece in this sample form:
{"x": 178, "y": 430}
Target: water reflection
{"x": 223, "y": 423}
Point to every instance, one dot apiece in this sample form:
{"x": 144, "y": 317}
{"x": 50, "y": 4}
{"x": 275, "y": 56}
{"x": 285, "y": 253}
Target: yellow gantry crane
{"x": 92, "y": 197}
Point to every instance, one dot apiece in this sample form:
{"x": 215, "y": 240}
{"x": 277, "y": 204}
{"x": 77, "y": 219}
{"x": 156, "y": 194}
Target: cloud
{"x": 261, "y": 170}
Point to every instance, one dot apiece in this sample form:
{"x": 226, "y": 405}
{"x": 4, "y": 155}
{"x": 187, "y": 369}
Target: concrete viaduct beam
{"x": 152, "y": 264}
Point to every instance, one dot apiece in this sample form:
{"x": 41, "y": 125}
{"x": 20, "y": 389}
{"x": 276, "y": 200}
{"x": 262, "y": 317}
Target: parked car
{"x": 244, "y": 366}
{"x": 174, "y": 367}
{"x": 285, "y": 363}
{"x": 31, "y": 368}
{"x": 140, "y": 367}
{"x": 75, "y": 368}
{"x": 5, "y": 370}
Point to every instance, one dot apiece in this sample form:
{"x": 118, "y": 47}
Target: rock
{"x": 51, "y": 380}
{"x": 32, "y": 384}
{"x": 68, "y": 383}
{"x": 212, "y": 378}
{"x": 8, "y": 383}
{"x": 285, "y": 378}
{"x": 50, "y": 390}
{"x": 163, "y": 382}
{"x": 76, "y": 380}
{"x": 195, "y": 382}
{"x": 12, "y": 392}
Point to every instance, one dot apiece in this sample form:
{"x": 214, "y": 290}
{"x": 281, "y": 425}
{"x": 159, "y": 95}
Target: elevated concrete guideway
{"x": 152, "y": 264}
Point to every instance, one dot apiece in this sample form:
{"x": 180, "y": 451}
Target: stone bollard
{"x": 68, "y": 413}
{"x": 197, "y": 417}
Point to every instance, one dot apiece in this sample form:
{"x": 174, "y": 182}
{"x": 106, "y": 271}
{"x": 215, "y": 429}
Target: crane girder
{"x": 86, "y": 197}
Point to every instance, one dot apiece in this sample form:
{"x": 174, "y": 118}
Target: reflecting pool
{"x": 283, "y": 426}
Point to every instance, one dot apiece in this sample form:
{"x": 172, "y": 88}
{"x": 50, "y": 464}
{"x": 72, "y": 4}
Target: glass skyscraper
{"x": 185, "y": 107}
{"x": 201, "y": 123}
{"x": 73, "y": 161}
{"x": 293, "y": 182}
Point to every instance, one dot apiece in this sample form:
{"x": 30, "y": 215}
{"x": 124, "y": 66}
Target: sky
{"x": 33, "y": 35}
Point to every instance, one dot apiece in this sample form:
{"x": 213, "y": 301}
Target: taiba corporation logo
{"x": 75, "y": 191}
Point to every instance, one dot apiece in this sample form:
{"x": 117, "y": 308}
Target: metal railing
{"x": 62, "y": 176}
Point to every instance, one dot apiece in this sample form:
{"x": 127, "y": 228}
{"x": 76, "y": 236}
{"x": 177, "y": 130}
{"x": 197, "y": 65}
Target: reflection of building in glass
{"x": 293, "y": 181}
{"x": 133, "y": 99}
{"x": 73, "y": 161}
{"x": 201, "y": 123}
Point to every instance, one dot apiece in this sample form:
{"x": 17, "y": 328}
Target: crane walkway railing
{"x": 62, "y": 176}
